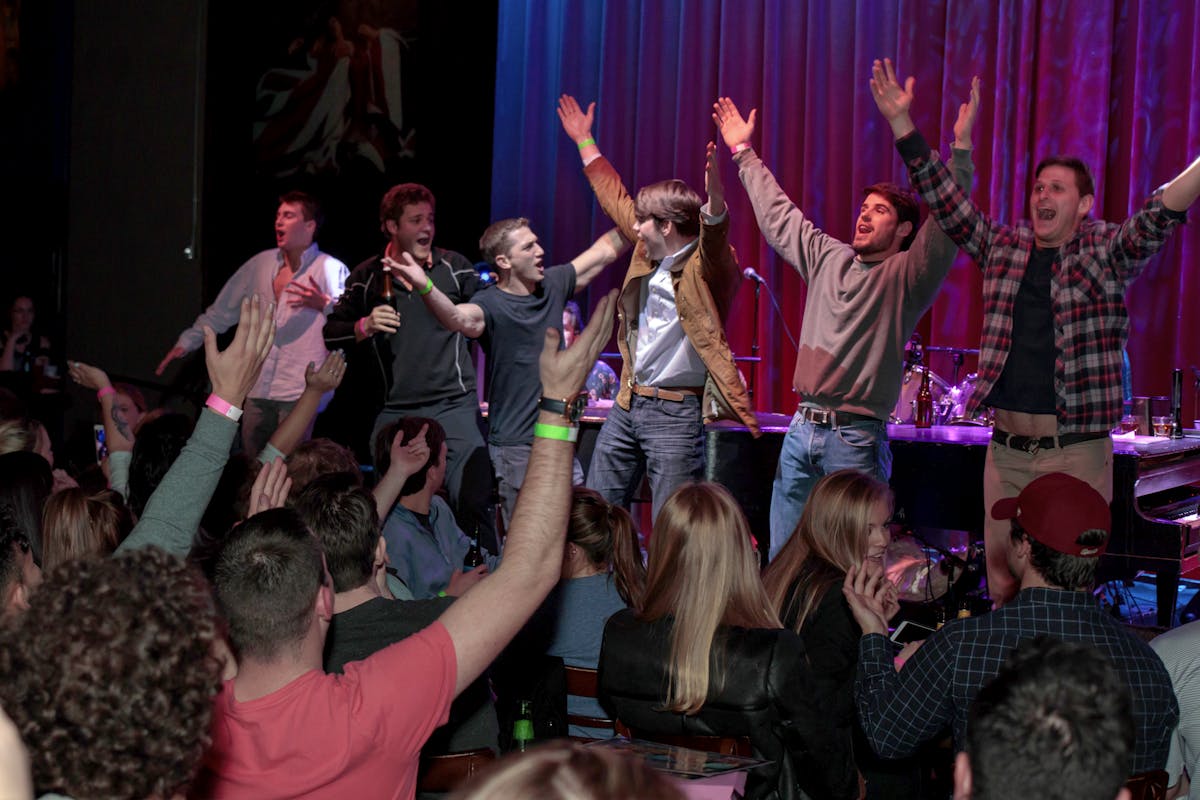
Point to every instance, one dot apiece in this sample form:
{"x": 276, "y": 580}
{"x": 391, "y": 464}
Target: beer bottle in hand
{"x": 474, "y": 556}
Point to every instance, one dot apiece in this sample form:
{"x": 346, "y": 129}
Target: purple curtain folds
{"x": 1111, "y": 81}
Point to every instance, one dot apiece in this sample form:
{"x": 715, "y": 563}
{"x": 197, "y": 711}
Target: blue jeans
{"x": 510, "y": 461}
{"x": 813, "y": 451}
{"x": 660, "y": 438}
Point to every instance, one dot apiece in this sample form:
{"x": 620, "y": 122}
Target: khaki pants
{"x": 1007, "y": 471}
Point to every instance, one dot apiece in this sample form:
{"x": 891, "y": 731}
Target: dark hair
{"x": 497, "y": 239}
{"x": 13, "y": 546}
{"x": 25, "y": 484}
{"x": 342, "y": 515}
{"x": 407, "y": 428}
{"x": 309, "y": 207}
{"x": 905, "y": 204}
{"x": 606, "y": 534}
{"x": 133, "y": 393}
{"x": 400, "y": 196}
{"x": 110, "y": 676}
{"x": 1055, "y": 722}
{"x": 670, "y": 201}
{"x": 158, "y": 444}
{"x": 1076, "y": 573}
{"x": 317, "y": 457}
{"x": 1083, "y": 175}
{"x": 267, "y": 577}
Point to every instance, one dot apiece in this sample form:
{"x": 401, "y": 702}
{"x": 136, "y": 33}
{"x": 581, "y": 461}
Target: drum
{"x": 956, "y": 398}
{"x": 910, "y": 384}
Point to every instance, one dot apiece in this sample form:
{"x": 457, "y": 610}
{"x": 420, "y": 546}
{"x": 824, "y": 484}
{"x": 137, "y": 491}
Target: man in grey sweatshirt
{"x": 864, "y": 300}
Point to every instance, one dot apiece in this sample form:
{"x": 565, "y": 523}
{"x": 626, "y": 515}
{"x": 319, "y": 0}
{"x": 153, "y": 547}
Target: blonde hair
{"x": 76, "y": 524}
{"x": 703, "y": 572}
{"x": 567, "y": 770}
{"x": 831, "y": 537}
{"x": 19, "y": 434}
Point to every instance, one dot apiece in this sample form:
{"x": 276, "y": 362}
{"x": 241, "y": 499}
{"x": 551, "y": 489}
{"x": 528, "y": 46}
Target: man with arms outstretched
{"x": 864, "y": 299}
{"x": 509, "y": 319}
{"x": 677, "y": 370}
{"x": 1054, "y": 321}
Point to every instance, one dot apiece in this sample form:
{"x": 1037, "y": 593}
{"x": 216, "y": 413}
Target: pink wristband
{"x": 104, "y": 392}
{"x": 223, "y": 408}
{"x": 361, "y": 327}
{"x": 737, "y": 148}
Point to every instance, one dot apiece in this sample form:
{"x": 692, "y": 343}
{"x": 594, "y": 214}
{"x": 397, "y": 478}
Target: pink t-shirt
{"x": 335, "y": 736}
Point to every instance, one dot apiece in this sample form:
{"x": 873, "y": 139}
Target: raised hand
{"x": 408, "y": 458}
{"x": 410, "y": 273}
{"x": 734, "y": 129}
{"x": 575, "y": 122}
{"x": 234, "y": 370}
{"x": 87, "y": 376}
{"x": 307, "y": 294}
{"x": 712, "y": 182}
{"x": 328, "y": 376}
{"x": 172, "y": 354}
{"x": 892, "y": 99}
{"x": 563, "y": 372}
{"x": 270, "y": 488}
{"x": 967, "y": 112}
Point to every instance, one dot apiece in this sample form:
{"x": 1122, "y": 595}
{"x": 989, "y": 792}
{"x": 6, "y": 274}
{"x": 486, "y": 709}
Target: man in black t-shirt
{"x": 510, "y": 320}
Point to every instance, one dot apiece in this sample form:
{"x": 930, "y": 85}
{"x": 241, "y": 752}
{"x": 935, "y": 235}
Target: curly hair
{"x": 110, "y": 676}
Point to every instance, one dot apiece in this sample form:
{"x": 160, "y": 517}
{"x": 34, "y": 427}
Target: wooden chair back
{"x": 582, "y": 682}
{"x": 447, "y": 772}
{"x": 725, "y": 745}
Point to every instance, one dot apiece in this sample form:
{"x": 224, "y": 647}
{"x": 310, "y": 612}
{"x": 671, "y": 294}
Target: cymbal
{"x": 964, "y": 350}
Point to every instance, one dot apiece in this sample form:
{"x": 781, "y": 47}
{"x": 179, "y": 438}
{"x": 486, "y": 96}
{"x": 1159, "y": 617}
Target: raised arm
{"x": 591, "y": 262}
{"x": 464, "y": 318}
{"x": 117, "y": 433}
{"x": 317, "y": 381}
{"x": 220, "y": 316}
{"x": 486, "y": 618}
{"x": 174, "y": 510}
{"x": 892, "y": 99}
{"x": 578, "y": 125}
{"x": 1184, "y": 189}
{"x": 404, "y": 460}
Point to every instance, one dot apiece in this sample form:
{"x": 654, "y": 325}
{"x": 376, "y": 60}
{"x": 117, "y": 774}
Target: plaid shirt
{"x": 899, "y": 710}
{"x": 1087, "y": 288}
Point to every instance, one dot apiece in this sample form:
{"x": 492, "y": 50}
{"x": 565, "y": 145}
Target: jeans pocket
{"x": 863, "y": 436}
{"x": 685, "y": 409}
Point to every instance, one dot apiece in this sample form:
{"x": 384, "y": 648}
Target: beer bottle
{"x": 523, "y": 727}
{"x": 474, "y": 556}
{"x": 924, "y": 416}
{"x": 386, "y": 291}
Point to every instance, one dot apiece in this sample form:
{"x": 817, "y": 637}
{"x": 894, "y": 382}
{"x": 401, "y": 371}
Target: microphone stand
{"x": 754, "y": 344}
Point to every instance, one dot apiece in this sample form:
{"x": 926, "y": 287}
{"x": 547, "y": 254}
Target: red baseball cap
{"x": 1055, "y": 509}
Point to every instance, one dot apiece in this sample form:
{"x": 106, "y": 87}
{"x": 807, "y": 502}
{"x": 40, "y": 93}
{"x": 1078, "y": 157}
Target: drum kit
{"x": 949, "y": 397}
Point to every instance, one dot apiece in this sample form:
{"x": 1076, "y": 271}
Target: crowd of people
{"x": 245, "y": 611}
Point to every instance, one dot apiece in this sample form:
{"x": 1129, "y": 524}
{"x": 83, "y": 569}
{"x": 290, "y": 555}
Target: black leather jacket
{"x": 766, "y": 694}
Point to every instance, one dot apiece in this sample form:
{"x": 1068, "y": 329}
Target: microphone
{"x": 750, "y": 274}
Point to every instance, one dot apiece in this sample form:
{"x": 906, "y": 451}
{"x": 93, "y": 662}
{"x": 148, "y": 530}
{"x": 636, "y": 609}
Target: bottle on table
{"x": 523, "y": 727}
{"x": 924, "y": 415}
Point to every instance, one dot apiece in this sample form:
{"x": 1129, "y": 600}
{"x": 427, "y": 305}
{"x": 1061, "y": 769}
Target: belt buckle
{"x": 1032, "y": 445}
{"x": 819, "y": 416}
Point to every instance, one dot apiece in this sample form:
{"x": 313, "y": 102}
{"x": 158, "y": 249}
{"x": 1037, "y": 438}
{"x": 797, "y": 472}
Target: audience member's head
{"x": 1060, "y": 528}
{"x": 844, "y": 523}
{"x": 572, "y": 322}
{"x": 406, "y": 428}
{"x": 19, "y": 574}
{"x": 603, "y": 536}
{"x": 129, "y": 404}
{"x": 670, "y": 201}
{"x": 320, "y": 456}
{"x": 110, "y": 676}
{"x": 567, "y": 770}
{"x": 904, "y": 202}
{"x": 158, "y": 444}
{"x": 703, "y": 571}
{"x": 27, "y": 434}
{"x": 1055, "y": 723}
{"x": 25, "y": 483}
{"x": 77, "y": 523}
{"x": 342, "y": 515}
{"x": 268, "y": 577}
{"x": 497, "y": 239}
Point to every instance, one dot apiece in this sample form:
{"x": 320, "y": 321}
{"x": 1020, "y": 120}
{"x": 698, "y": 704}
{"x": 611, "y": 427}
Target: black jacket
{"x": 767, "y": 695}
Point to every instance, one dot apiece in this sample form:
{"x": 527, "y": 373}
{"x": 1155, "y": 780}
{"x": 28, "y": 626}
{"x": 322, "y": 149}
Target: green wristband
{"x": 561, "y": 433}
{"x": 428, "y": 287}
{"x": 587, "y": 142}
{"x": 442, "y": 593}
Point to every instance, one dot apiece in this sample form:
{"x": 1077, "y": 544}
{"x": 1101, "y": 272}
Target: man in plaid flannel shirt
{"x": 1058, "y": 528}
{"x": 1055, "y": 321}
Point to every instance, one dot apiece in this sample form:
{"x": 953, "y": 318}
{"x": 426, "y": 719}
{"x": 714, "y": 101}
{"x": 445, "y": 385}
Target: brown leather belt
{"x": 1032, "y": 444}
{"x": 830, "y": 418}
{"x": 675, "y": 393}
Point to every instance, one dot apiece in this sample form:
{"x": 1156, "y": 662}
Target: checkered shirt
{"x": 1088, "y": 283}
{"x": 899, "y": 710}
